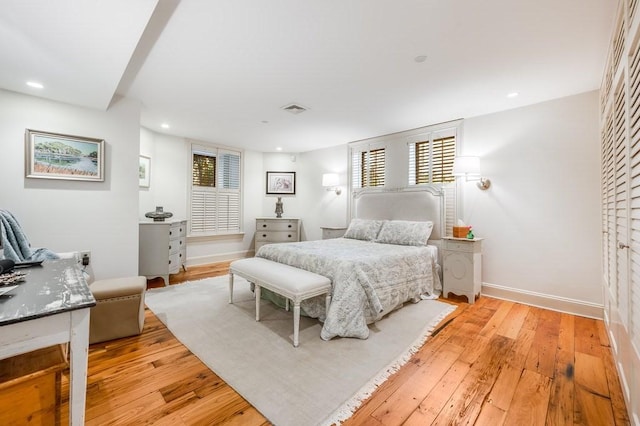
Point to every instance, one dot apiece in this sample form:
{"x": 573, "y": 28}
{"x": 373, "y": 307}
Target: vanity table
{"x": 51, "y": 307}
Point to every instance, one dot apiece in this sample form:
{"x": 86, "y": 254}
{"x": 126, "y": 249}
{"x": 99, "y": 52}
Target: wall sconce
{"x": 469, "y": 167}
{"x": 331, "y": 181}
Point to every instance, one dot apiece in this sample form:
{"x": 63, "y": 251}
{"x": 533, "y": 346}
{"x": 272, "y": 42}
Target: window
{"x": 367, "y": 168}
{"x": 215, "y": 191}
{"x": 431, "y": 159}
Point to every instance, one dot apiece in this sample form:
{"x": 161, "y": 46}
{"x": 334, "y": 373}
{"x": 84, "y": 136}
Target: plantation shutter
{"x": 215, "y": 191}
{"x": 367, "y": 168}
{"x": 431, "y": 159}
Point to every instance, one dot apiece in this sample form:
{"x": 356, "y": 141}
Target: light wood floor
{"x": 490, "y": 363}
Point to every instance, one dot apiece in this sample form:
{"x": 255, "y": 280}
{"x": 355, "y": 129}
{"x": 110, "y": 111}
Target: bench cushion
{"x": 285, "y": 280}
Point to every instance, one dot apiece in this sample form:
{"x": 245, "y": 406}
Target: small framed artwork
{"x": 58, "y": 156}
{"x": 144, "y": 171}
{"x": 281, "y": 183}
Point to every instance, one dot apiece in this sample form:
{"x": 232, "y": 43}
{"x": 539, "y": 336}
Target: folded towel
{"x": 15, "y": 244}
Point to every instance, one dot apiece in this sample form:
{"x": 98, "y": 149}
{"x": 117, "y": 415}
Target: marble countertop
{"x": 54, "y": 287}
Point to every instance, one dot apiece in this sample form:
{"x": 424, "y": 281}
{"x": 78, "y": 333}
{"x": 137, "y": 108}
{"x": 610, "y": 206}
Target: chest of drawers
{"x": 276, "y": 230}
{"x": 162, "y": 248}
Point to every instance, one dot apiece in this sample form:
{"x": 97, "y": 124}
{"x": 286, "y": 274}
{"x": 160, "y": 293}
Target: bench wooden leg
{"x": 230, "y": 287}
{"x": 257, "y": 302}
{"x": 296, "y": 323}
{"x": 327, "y": 303}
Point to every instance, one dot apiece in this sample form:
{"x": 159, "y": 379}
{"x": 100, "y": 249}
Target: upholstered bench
{"x": 119, "y": 310}
{"x": 292, "y": 283}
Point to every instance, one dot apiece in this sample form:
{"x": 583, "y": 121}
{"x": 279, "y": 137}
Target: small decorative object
{"x": 159, "y": 215}
{"x": 279, "y": 208}
{"x": 470, "y": 235}
{"x": 12, "y": 277}
{"x": 58, "y": 156}
{"x": 144, "y": 172}
{"x": 281, "y": 183}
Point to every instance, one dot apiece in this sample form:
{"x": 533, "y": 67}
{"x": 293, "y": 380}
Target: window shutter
{"x": 367, "y": 168}
{"x": 431, "y": 160}
{"x": 215, "y": 191}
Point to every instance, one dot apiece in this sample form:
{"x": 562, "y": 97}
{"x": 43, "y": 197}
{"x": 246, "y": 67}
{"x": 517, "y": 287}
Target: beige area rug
{"x": 319, "y": 382}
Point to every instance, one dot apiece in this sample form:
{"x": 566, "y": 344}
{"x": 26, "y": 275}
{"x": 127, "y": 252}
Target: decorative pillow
{"x": 406, "y": 233}
{"x": 363, "y": 229}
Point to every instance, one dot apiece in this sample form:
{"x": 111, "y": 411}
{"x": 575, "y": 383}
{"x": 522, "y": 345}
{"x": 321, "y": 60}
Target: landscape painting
{"x": 58, "y": 156}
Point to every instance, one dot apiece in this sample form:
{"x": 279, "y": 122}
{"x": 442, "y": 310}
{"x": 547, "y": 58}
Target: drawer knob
{"x": 289, "y": 236}
{"x": 170, "y": 233}
{"x": 264, "y": 225}
{"x": 264, "y": 235}
{"x": 290, "y": 225}
{"x": 169, "y": 261}
{"x": 169, "y": 246}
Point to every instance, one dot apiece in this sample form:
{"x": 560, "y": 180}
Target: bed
{"x": 383, "y": 261}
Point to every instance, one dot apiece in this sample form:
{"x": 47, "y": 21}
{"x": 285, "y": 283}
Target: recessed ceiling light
{"x": 35, "y": 85}
{"x": 512, "y": 95}
{"x": 420, "y": 58}
{"x": 265, "y": 121}
{"x": 164, "y": 126}
{"x": 278, "y": 148}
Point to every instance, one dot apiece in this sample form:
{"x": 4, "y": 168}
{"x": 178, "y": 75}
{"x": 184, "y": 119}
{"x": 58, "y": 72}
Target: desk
{"x": 51, "y": 307}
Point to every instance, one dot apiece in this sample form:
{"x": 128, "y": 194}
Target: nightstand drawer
{"x": 458, "y": 246}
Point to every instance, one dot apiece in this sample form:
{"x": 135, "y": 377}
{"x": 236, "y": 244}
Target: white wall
{"x": 73, "y": 215}
{"x": 541, "y": 216}
{"x": 312, "y": 203}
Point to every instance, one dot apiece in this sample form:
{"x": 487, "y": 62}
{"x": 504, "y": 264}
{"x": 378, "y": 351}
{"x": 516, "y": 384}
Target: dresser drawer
{"x": 174, "y": 263}
{"x": 175, "y": 245}
{"x": 177, "y": 230}
{"x": 276, "y": 225}
{"x": 276, "y": 237}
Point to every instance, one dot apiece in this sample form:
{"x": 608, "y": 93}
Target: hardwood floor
{"x": 491, "y": 363}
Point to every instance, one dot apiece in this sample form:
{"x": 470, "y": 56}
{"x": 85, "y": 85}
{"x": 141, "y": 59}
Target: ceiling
{"x": 221, "y": 71}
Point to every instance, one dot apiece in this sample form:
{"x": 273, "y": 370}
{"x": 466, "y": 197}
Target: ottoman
{"x": 119, "y": 310}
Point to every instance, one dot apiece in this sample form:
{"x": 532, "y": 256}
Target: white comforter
{"x": 369, "y": 279}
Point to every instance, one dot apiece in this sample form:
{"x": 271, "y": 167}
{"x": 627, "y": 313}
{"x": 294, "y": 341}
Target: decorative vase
{"x": 159, "y": 215}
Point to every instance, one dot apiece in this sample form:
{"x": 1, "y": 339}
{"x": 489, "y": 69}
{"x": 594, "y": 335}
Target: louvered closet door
{"x": 609, "y": 248}
{"x": 621, "y": 202}
{"x": 634, "y": 159}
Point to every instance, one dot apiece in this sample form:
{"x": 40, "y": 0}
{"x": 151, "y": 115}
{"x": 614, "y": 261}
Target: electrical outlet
{"x": 85, "y": 257}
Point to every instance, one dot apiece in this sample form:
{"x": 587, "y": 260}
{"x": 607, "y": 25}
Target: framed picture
{"x": 281, "y": 183}
{"x": 58, "y": 156}
{"x": 144, "y": 171}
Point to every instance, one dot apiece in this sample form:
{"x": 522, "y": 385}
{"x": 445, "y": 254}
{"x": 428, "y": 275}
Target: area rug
{"x": 319, "y": 382}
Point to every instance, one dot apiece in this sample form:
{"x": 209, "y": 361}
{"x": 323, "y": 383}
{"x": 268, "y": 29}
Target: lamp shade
{"x": 466, "y": 166}
{"x": 330, "y": 179}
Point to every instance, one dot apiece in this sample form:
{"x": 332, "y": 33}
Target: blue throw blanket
{"x": 15, "y": 244}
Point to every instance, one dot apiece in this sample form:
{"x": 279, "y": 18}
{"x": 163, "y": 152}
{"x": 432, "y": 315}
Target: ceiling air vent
{"x": 294, "y": 109}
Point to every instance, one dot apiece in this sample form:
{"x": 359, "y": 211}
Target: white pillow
{"x": 406, "y": 233}
{"x": 363, "y": 229}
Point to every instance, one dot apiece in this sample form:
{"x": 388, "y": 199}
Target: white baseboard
{"x": 215, "y": 258}
{"x": 546, "y": 301}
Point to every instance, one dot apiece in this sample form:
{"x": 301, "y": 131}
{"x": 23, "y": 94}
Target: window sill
{"x": 236, "y": 236}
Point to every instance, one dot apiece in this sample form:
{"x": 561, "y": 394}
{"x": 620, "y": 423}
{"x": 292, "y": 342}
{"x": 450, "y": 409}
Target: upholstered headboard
{"x": 425, "y": 203}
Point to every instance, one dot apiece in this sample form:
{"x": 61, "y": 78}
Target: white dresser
{"x": 162, "y": 248}
{"x": 462, "y": 264}
{"x": 276, "y": 230}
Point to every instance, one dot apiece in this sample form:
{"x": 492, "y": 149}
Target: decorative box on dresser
{"x": 329, "y": 232}
{"x": 162, "y": 248}
{"x": 276, "y": 230}
{"x": 462, "y": 262}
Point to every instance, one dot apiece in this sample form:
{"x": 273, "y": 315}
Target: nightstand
{"x": 271, "y": 230}
{"x": 329, "y": 232}
{"x": 462, "y": 263}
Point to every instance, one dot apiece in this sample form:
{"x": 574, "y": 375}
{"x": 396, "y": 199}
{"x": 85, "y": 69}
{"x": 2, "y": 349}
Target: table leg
{"x": 79, "y": 361}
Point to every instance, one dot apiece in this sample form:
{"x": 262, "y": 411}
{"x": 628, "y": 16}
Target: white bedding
{"x": 369, "y": 279}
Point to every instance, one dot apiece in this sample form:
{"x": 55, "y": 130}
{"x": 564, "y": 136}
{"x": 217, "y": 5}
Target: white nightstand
{"x": 462, "y": 262}
{"x": 329, "y": 232}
